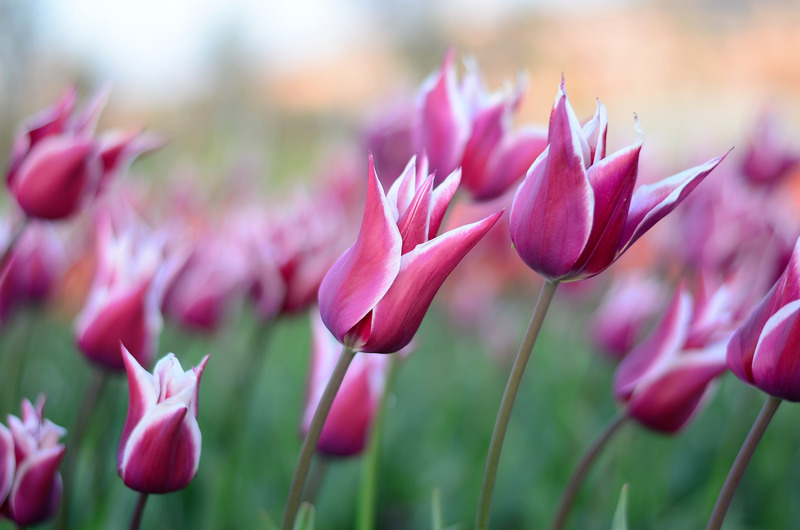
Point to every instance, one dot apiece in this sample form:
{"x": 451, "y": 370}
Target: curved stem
{"x": 136, "y": 520}
{"x": 579, "y": 474}
{"x": 314, "y": 431}
{"x": 506, "y": 405}
{"x": 369, "y": 473}
{"x": 87, "y": 405}
{"x": 740, "y": 464}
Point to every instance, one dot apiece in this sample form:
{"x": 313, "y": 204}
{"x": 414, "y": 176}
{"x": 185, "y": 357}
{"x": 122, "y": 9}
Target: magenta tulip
{"x": 123, "y": 303}
{"x": 765, "y": 350}
{"x": 768, "y": 157}
{"x": 576, "y": 212}
{"x": 376, "y": 295}
{"x": 663, "y": 381}
{"x": 8, "y": 462}
{"x": 36, "y": 489}
{"x": 160, "y": 447}
{"x": 348, "y": 424}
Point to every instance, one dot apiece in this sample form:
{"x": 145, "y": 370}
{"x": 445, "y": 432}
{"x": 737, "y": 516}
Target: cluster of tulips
{"x": 553, "y": 199}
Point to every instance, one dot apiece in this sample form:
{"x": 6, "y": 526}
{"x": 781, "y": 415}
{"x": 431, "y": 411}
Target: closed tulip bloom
{"x": 577, "y": 212}
{"x": 376, "y": 295}
{"x": 765, "y": 350}
{"x": 123, "y": 302}
{"x": 348, "y": 424}
{"x": 663, "y": 381}
{"x": 160, "y": 447}
{"x": 36, "y": 489}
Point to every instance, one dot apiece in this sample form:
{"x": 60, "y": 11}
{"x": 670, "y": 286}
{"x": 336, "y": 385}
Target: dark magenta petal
{"x": 37, "y": 487}
{"x": 776, "y": 362}
{"x": 142, "y": 396}
{"x": 442, "y": 195}
{"x": 510, "y": 161}
{"x": 7, "y": 462}
{"x": 414, "y": 222}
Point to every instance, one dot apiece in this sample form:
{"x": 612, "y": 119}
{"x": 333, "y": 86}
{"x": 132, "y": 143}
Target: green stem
{"x": 319, "y": 469}
{"x": 314, "y": 431}
{"x": 17, "y": 357}
{"x": 579, "y": 474}
{"x": 87, "y": 406}
{"x": 507, "y": 404}
{"x": 136, "y": 520}
{"x": 740, "y": 464}
{"x": 369, "y": 473}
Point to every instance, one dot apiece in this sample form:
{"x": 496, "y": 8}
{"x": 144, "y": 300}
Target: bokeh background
{"x": 269, "y": 94}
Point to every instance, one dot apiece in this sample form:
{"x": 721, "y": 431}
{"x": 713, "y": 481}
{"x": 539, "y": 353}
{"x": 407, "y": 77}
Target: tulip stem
{"x": 312, "y": 438}
{"x": 316, "y": 476}
{"x": 136, "y": 520}
{"x": 579, "y": 474}
{"x": 507, "y": 404}
{"x": 369, "y": 474}
{"x": 740, "y": 464}
{"x": 87, "y": 406}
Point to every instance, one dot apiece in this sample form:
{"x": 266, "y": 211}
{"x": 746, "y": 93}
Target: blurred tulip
{"x": 8, "y": 462}
{"x": 375, "y": 296}
{"x": 159, "y": 451}
{"x": 349, "y": 421}
{"x": 36, "y": 490}
{"x": 768, "y": 159}
{"x": 764, "y": 351}
{"x": 123, "y": 302}
{"x": 576, "y": 212}
{"x": 118, "y": 149}
{"x": 631, "y": 303}
{"x": 463, "y": 125}
{"x": 663, "y": 381}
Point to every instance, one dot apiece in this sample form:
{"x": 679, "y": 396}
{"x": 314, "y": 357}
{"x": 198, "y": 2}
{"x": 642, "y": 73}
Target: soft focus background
{"x": 268, "y": 94}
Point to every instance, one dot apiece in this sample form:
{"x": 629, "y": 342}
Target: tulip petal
{"x": 361, "y": 277}
{"x": 162, "y": 453}
{"x": 399, "y": 313}
{"x": 776, "y": 364}
{"x": 402, "y": 190}
{"x": 37, "y": 487}
{"x": 442, "y": 195}
{"x": 413, "y": 225}
{"x": 652, "y": 202}
{"x": 664, "y": 342}
{"x": 612, "y": 180}
{"x": 510, "y": 161}
{"x": 668, "y": 401}
{"x": 595, "y": 132}
{"x": 7, "y": 462}
{"x": 488, "y": 128}
{"x": 142, "y": 392}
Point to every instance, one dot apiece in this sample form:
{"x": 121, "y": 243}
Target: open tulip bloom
{"x": 577, "y": 212}
{"x": 374, "y": 297}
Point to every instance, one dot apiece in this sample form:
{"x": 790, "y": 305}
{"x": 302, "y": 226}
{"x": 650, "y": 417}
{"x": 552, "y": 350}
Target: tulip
{"x": 123, "y": 302}
{"x": 160, "y": 447}
{"x": 348, "y": 424}
{"x": 375, "y": 296}
{"x": 464, "y": 125}
{"x": 7, "y": 462}
{"x": 118, "y": 150}
{"x": 763, "y": 351}
{"x": 35, "y": 492}
{"x": 576, "y": 212}
{"x": 768, "y": 160}
{"x": 663, "y": 381}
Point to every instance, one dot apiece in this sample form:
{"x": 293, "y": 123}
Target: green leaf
{"x": 305, "y": 517}
{"x": 621, "y": 514}
{"x": 436, "y": 505}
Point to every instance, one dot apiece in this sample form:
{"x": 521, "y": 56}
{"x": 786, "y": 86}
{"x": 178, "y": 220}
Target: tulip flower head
{"x": 348, "y": 424}
{"x": 663, "y": 381}
{"x": 375, "y": 296}
{"x": 765, "y": 350}
{"x": 577, "y": 212}
{"x": 123, "y": 303}
{"x": 31, "y": 454}
{"x": 160, "y": 447}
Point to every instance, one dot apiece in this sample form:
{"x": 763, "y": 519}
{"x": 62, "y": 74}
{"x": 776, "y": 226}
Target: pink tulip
{"x": 768, "y": 159}
{"x": 347, "y": 427}
{"x": 123, "y": 303}
{"x": 463, "y": 125}
{"x": 576, "y": 212}
{"x": 160, "y": 447}
{"x": 120, "y": 148}
{"x": 375, "y": 296}
{"x": 764, "y": 351}
{"x": 8, "y": 462}
{"x": 663, "y": 381}
{"x": 36, "y": 489}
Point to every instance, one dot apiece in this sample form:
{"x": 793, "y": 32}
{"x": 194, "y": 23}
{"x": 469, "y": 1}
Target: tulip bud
{"x": 347, "y": 427}
{"x": 160, "y": 447}
{"x": 576, "y": 212}
{"x": 34, "y": 495}
{"x": 663, "y": 381}
{"x": 375, "y": 296}
{"x": 123, "y": 303}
